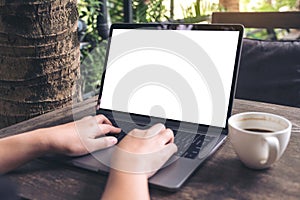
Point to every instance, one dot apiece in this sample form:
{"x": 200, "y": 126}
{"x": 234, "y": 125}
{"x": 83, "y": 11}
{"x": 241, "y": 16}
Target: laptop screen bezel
{"x": 140, "y": 119}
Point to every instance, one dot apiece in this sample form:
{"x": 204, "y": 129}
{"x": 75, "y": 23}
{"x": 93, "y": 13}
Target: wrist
{"x": 142, "y": 177}
{"x": 134, "y": 185}
{"x": 42, "y": 140}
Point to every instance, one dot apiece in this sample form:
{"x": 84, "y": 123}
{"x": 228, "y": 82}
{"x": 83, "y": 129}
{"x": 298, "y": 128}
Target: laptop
{"x": 181, "y": 75}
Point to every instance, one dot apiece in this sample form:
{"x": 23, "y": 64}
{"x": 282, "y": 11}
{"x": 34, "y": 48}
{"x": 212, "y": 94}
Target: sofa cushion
{"x": 270, "y": 72}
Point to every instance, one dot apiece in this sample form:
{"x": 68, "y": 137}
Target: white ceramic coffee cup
{"x": 257, "y": 149}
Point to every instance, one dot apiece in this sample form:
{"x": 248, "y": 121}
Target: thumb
{"x": 101, "y": 143}
{"x": 170, "y": 149}
{"x": 164, "y": 156}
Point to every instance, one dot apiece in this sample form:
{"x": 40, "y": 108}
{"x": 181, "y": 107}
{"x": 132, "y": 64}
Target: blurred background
{"x": 43, "y": 67}
{"x": 97, "y": 15}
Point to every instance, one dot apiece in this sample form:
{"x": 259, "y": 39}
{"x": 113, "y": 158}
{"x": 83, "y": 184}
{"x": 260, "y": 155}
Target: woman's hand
{"x": 82, "y": 136}
{"x": 144, "y": 151}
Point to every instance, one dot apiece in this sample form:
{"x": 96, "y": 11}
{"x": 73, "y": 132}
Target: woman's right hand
{"x": 144, "y": 151}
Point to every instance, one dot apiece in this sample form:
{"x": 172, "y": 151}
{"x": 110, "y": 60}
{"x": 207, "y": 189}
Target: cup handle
{"x": 273, "y": 145}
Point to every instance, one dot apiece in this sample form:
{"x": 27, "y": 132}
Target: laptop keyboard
{"x": 188, "y": 144}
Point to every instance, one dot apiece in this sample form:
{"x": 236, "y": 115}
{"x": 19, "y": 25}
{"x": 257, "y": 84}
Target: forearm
{"x": 72, "y": 139}
{"x": 125, "y": 186}
{"x": 19, "y": 149}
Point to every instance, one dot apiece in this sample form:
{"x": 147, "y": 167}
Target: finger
{"x": 155, "y": 129}
{"x": 172, "y": 135}
{"x": 101, "y": 119}
{"x": 138, "y": 133}
{"x": 151, "y": 132}
{"x": 170, "y": 149}
{"x": 166, "y": 136}
{"x": 101, "y": 143}
{"x": 106, "y": 128}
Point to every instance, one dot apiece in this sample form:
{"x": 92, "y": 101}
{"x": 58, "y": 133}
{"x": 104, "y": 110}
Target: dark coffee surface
{"x": 258, "y": 130}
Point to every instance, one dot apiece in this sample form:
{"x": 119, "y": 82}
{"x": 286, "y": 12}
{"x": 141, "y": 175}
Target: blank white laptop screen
{"x": 161, "y": 79}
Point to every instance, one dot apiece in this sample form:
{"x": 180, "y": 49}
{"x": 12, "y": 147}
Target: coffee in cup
{"x": 259, "y": 139}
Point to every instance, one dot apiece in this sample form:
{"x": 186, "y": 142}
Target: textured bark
{"x": 39, "y": 57}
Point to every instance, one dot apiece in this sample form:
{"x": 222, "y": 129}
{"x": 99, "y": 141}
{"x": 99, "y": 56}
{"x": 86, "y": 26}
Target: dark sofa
{"x": 270, "y": 72}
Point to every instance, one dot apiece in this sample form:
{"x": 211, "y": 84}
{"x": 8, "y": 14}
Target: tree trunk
{"x": 39, "y": 57}
{"x": 230, "y": 5}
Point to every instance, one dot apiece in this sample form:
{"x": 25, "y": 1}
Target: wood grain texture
{"x": 220, "y": 177}
{"x": 259, "y": 19}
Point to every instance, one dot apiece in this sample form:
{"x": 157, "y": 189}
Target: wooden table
{"x": 221, "y": 177}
